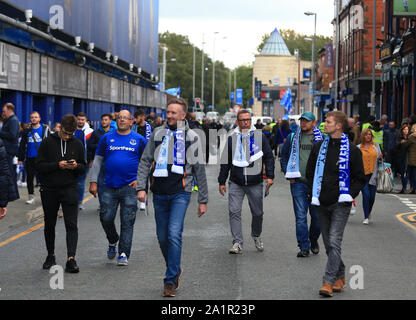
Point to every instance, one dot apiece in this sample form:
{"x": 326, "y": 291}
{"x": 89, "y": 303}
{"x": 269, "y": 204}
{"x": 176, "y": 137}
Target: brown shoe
{"x": 177, "y": 279}
{"x": 326, "y": 290}
{"x": 339, "y": 285}
{"x": 169, "y": 290}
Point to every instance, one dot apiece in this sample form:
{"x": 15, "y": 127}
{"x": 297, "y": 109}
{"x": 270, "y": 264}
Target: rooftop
{"x": 275, "y": 45}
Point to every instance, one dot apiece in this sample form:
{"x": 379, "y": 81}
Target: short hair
{"x": 82, "y": 114}
{"x": 243, "y": 112}
{"x": 180, "y": 102}
{"x": 340, "y": 117}
{"x": 9, "y": 106}
{"x": 107, "y": 115}
{"x": 33, "y": 112}
{"x": 69, "y": 123}
{"x": 139, "y": 113}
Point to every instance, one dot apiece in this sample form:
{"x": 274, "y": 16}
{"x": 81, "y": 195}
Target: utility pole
{"x": 336, "y": 53}
{"x": 373, "y": 90}
{"x": 202, "y": 72}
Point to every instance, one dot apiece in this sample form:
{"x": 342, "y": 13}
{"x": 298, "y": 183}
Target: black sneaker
{"x": 71, "y": 266}
{"x": 303, "y": 254}
{"x": 315, "y": 248}
{"x": 49, "y": 262}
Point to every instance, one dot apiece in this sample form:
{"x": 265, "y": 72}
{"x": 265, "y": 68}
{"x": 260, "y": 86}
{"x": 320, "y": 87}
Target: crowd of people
{"x": 327, "y": 165}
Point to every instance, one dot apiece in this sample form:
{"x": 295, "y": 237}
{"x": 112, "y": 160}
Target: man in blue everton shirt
{"x": 120, "y": 152}
{"x": 32, "y": 137}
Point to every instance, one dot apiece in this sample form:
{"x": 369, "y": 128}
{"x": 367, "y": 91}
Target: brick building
{"x": 355, "y": 53}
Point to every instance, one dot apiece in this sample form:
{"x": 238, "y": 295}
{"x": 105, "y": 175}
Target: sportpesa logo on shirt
{"x": 122, "y": 148}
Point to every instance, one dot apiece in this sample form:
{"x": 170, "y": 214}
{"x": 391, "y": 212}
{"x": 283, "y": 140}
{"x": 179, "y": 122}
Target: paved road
{"x": 385, "y": 250}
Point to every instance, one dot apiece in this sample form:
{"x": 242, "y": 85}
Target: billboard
{"x": 126, "y": 28}
{"x": 404, "y": 8}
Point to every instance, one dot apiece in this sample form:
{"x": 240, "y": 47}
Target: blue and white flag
{"x": 287, "y": 101}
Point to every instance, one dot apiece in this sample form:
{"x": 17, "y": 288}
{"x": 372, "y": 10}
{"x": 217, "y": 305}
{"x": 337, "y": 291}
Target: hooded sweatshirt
{"x": 53, "y": 150}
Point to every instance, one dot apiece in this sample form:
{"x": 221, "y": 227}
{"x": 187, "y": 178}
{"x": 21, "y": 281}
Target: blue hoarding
{"x": 239, "y": 96}
{"x": 126, "y": 28}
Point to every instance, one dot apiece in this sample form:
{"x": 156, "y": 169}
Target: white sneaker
{"x": 31, "y": 199}
{"x": 366, "y": 221}
{"x": 258, "y": 243}
{"x": 142, "y": 205}
{"x": 19, "y": 183}
{"x": 236, "y": 249}
{"x": 81, "y": 206}
{"x": 23, "y": 184}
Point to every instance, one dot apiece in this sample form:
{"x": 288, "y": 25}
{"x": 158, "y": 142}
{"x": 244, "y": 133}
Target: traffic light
{"x": 197, "y": 104}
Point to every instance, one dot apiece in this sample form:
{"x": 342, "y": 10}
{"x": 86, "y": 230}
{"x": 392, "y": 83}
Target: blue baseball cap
{"x": 308, "y": 116}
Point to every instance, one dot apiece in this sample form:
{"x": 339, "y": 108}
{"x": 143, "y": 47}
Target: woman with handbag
{"x": 401, "y": 155}
{"x": 410, "y": 146}
{"x": 371, "y": 152}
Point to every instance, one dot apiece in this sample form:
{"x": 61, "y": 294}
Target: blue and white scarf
{"x": 292, "y": 170}
{"x": 344, "y": 171}
{"x": 148, "y": 130}
{"x": 240, "y": 159}
{"x": 161, "y": 169}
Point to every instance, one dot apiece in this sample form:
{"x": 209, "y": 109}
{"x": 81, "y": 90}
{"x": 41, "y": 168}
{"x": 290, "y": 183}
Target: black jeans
{"x": 31, "y": 171}
{"x": 51, "y": 200}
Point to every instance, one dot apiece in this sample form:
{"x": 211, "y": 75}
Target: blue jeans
{"x": 126, "y": 197}
{"x": 170, "y": 213}
{"x": 301, "y": 205}
{"x": 81, "y": 185}
{"x": 369, "y": 196}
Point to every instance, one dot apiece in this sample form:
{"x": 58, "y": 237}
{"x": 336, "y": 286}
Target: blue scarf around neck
{"x": 161, "y": 169}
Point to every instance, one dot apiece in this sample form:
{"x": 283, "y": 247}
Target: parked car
{"x": 213, "y": 115}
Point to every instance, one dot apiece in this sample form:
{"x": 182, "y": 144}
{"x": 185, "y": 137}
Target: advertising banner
{"x": 404, "y": 8}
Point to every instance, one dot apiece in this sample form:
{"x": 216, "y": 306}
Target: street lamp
{"x": 213, "y": 73}
{"x": 308, "y": 13}
{"x": 193, "y": 70}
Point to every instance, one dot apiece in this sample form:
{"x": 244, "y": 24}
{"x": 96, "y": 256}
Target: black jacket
{"x": 330, "y": 180}
{"x": 239, "y": 175}
{"x": 92, "y": 143}
{"x": 25, "y": 137}
{"x": 10, "y": 135}
{"x": 8, "y": 187}
{"x": 50, "y": 153}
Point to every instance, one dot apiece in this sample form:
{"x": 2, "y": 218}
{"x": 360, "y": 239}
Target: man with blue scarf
{"x": 335, "y": 175}
{"x": 294, "y": 158}
{"x": 244, "y": 155}
{"x": 172, "y": 158}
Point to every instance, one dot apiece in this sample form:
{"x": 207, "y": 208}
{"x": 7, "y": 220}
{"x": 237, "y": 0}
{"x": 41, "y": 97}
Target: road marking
{"x": 34, "y": 228}
{"x": 411, "y": 216}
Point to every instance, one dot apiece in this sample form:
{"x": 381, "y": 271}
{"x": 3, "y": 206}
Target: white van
{"x": 264, "y": 120}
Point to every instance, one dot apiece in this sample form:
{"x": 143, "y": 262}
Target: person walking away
{"x": 60, "y": 162}
{"x": 10, "y": 135}
{"x": 8, "y": 189}
{"x": 335, "y": 175}
{"x": 371, "y": 153}
{"x": 172, "y": 185}
{"x": 119, "y": 152}
{"x": 92, "y": 145}
{"x": 83, "y": 133}
{"x": 32, "y": 137}
{"x": 400, "y": 154}
{"x": 281, "y": 135}
{"x": 410, "y": 146}
{"x": 145, "y": 129}
{"x": 389, "y": 143}
{"x": 244, "y": 155}
{"x": 295, "y": 155}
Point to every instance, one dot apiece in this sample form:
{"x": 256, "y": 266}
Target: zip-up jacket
{"x": 8, "y": 188}
{"x": 25, "y": 138}
{"x": 174, "y": 183}
{"x": 53, "y": 150}
{"x": 251, "y": 175}
{"x": 330, "y": 180}
{"x": 10, "y": 135}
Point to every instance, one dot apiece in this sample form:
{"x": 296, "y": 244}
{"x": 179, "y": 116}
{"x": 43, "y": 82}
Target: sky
{"x": 241, "y": 23}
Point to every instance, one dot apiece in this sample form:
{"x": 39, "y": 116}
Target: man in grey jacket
{"x": 171, "y": 183}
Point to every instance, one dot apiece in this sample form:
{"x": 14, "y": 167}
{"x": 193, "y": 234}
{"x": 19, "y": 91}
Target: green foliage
{"x": 297, "y": 41}
{"x": 180, "y": 71}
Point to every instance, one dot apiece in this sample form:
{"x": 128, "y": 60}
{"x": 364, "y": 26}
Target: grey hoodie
{"x": 194, "y": 165}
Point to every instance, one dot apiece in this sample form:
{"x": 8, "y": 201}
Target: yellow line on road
{"x": 400, "y": 218}
{"x": 34, "y": 228}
